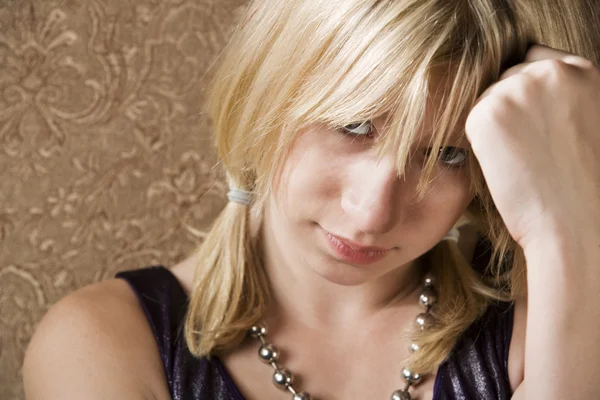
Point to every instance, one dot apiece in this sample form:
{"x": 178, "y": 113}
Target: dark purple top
{"x": 476, "y": 368}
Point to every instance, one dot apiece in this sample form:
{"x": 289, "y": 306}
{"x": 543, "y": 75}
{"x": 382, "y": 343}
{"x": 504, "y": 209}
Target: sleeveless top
{"x": 476, "y": 368}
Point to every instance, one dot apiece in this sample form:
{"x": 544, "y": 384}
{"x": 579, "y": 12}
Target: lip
{"x": 353, "y": 252}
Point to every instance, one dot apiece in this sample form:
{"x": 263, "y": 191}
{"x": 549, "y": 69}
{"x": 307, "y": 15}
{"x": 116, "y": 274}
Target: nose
{"x": 371, "y": 196}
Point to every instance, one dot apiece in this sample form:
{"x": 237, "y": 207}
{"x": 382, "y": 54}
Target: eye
{"x": 359, "y": 129}
{"x": 451, "y": 156}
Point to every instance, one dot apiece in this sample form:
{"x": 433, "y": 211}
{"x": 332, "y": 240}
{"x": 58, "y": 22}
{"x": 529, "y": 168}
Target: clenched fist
{"x": 536, "y": 135}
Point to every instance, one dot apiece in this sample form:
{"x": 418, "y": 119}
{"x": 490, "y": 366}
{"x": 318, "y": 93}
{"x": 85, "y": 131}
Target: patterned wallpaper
{"x": 106, "y": 161}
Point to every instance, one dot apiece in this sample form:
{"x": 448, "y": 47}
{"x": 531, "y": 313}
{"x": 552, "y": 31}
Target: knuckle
{"x": 535, "y": 52}
{"x": 585, "y": 63}
{"x": 528, "y": 85}
{"x": 554, "y": 69}
{"x": 494, "y": 109}
{"x": 501, "y": 108}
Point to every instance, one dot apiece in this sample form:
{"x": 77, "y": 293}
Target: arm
{"x": 535, "y": 135}
{"x": 519, "y": 394}
{"x": 562, "y": 350}
{"x": 94, "y": 344}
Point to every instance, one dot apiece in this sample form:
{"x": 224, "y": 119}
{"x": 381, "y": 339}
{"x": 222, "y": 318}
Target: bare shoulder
{"x": 95, "y": 344}
{"x": 516, "y": 355}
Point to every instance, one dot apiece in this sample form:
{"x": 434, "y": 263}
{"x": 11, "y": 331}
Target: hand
{"x": 536, "y": 135}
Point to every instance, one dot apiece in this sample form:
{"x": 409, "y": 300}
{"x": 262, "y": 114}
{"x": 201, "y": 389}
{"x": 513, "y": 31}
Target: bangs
{"x": 383, "y": 60}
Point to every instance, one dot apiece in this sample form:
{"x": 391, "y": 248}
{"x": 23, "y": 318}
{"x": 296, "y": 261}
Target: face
{"x": 342, "y": 211}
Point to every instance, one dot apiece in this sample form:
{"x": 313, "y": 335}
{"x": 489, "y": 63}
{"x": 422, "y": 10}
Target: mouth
{"x": 353, "y": 252}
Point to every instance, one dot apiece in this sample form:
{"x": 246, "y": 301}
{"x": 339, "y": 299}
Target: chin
{"x": 344, "y": 274}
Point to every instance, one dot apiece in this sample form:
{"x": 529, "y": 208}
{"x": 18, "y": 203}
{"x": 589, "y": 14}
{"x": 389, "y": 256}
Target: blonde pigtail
{"x": 230, "y": 286}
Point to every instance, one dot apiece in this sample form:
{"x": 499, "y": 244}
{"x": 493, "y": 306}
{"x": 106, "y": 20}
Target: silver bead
{"x": 424, "y": 321}
{"x": 429, "y": 280}
{"x": 401, "y": 395}
{"x": 268, "y": 353}
{"x": 283, "y": 378}
{"x": 413, "y": 348}
{"x": 258, "y": 331}
{"x": 427, "y": 298}
{"x": 411, "y": 377}
{"x": 301, "y": 396}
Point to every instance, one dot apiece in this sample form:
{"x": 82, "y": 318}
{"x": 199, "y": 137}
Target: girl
{"x": 414, "y": 213}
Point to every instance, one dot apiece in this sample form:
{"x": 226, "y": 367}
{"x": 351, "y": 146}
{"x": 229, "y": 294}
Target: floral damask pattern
{"x": 105, "y": 155}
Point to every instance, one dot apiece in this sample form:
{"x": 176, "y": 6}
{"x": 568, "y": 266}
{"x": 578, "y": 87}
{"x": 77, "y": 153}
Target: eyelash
{"x": 453, "y": 152}
{"x": 349, "y": 129}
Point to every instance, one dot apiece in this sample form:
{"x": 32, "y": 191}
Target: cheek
{"x": 453, "y": 194}
{"x": 444, "y": 203}
{"x": 312, "y": 173}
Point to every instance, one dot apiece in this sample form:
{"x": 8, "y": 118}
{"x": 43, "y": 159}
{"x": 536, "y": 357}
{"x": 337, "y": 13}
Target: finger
{"x": 539, "y": 53}
{"x": 512, "y": 71}
{"x": 517, "y": 69}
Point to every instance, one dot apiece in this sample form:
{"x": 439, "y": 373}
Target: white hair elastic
{"x": 453, "y": 235}
{"x": 239, "y": 196}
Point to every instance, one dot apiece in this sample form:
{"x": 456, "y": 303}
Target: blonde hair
{"x": 293, "y": 63}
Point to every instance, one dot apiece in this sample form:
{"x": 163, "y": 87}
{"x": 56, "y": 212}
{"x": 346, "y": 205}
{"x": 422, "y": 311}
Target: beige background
{"x": 105, "y": 152}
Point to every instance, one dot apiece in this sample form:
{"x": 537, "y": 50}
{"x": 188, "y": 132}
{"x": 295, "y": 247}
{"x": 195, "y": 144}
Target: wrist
{"x": 563, "y": 265}
{"x": 570, "y": 246}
